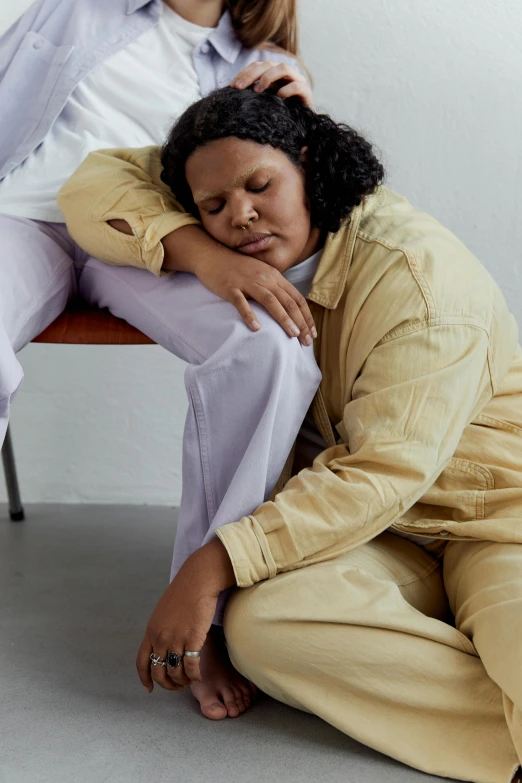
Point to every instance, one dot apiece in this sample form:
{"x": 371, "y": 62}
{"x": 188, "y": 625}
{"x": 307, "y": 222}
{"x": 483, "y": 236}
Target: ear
{"x": 304, "y": 156}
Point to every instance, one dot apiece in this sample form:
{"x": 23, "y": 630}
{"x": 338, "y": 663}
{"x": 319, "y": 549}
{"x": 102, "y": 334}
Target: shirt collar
{"x": 135, "y": 5}
{"x": 224, "y": 39}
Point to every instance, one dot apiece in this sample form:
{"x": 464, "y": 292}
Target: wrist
{"x": 180, "y": 249}
{"x": 211, "y": 565}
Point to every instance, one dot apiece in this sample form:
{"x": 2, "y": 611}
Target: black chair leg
{"x": 16, "y": 510}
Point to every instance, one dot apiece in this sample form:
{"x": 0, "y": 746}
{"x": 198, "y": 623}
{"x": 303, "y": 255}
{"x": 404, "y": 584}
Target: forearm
{"x": 184, "y": 248}
{"x": 189, "y": 246}
{"x": 210, "y": 565}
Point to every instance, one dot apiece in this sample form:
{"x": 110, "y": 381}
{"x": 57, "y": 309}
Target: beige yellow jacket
{"x": 421, "y": 397}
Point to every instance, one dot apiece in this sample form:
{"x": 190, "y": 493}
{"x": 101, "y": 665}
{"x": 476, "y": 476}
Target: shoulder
{"x": 270, "y": 53}
{"x": 424, "y": 256}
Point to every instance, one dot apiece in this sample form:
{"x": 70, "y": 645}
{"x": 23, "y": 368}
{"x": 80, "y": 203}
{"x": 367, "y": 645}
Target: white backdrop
{"x": 436, "y": 85}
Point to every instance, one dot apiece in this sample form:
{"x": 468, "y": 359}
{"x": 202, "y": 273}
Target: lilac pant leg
{"x": 248, "y": 392}
{"x": 36, "y": 279}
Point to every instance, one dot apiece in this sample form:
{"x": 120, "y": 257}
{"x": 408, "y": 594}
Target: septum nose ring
{"x": 247, "y": 225}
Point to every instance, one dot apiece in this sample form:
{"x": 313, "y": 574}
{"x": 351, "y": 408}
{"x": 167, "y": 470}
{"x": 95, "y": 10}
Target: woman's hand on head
{"x": 242, "y": 278}
{"x": 285, "y": 80}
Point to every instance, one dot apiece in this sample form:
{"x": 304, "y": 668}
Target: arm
{"x": 117, "y": 209}
{"x": 409, "y": 408}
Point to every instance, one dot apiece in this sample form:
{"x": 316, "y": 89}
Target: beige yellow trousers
{"x": 366, "y": 642}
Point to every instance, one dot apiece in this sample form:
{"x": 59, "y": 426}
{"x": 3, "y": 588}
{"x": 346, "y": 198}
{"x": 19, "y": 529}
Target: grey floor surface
{"x": 77, "y": 585}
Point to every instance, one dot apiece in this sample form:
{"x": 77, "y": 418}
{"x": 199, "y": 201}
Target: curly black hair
{"x": 341, "y": 167}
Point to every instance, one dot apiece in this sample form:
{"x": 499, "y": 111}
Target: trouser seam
{"x": 422, "y": 575}
{"x": 205, "y": 457}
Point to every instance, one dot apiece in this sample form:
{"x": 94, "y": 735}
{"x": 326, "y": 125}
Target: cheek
{"x": 293, "y": 211}
{"x": 213, "y": 225}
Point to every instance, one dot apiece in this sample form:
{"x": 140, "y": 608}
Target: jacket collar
{"x": 223, "y": 38}
{"x": 329, "y": 281}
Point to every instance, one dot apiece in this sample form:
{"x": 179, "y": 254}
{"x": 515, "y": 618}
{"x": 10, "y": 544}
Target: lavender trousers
{"x": 248, "y": 392}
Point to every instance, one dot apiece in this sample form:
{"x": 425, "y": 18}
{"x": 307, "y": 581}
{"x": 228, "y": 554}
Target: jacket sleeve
{"x": 124, "y": 184}
{"x": 410, "y": 405}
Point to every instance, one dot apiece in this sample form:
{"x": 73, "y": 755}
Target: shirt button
{"x": 38, "y": 44}
{"x": 204, "y": 48}
{"x": 444, "y": 533}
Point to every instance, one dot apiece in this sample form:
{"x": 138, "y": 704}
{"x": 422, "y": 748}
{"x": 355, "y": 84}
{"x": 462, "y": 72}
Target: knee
{"x": 250, "y": 630}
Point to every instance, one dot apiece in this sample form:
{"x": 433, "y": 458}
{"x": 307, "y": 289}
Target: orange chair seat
{"x": 82, "y": 324}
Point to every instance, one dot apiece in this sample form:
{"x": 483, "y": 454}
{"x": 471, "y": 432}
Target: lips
{"x": 254, "y": 243}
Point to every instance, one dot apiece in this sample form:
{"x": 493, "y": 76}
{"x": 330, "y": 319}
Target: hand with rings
{"x": 169, "y": 654}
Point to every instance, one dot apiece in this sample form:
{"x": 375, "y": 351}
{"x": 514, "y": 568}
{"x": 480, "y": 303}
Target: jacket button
{"x": 38, "y": 44}
{"x": 205, "y": 48}
{"x": 444, "y": 533}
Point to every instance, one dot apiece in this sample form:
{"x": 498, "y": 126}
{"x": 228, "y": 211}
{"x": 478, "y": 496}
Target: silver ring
{"x": 157, "y": 661}
{"x": 191, "y": 654}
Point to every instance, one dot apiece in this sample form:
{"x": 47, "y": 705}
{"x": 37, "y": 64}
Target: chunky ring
{"x": 191, "y": 654}
{"x": 173, "y": 659}
{"x": 157, "y": 661}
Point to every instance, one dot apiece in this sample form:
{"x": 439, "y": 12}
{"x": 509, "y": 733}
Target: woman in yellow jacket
{"x": 381, "y": 588}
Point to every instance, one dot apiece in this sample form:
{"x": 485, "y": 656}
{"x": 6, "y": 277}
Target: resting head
{"x": 239, "y": 159}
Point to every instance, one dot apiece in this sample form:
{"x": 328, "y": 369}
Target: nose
{"x": 242, "y": 211}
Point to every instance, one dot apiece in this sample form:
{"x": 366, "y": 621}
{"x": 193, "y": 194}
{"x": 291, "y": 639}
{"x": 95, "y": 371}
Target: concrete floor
{"x": 77, "y": 585}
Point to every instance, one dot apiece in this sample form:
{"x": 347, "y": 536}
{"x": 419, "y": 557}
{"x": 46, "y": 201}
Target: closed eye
{"x": 217, "y": 209}
{"x": 259, "y": 190}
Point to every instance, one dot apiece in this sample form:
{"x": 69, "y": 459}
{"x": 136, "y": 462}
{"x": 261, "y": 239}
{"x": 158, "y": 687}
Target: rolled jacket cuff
{"x": 151, "y": 237}
{"x": 247, "y": 547}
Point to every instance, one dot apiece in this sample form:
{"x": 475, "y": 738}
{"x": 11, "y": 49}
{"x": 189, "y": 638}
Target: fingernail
{"x": 255, "y": 325}
{"x": 314, "y": 332}
{"x": 308, "y": 340}
{"x": 240, "y": 85}
{"x": 295, "y": 331}
{"x": 146, "y": 688}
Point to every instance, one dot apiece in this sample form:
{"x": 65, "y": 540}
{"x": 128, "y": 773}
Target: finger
{"x": 250, "y": 74}
{"x": 176, "y": 674}
{"x": 272, "y": 305}
{"x": 302, "y": 304}
{"x": 143, "y": 665}
{"x": 278, "y": 73}
{"x": 293, "y": 302}
{"x": 192, "y": 670}
{"x": 298, "y": 89}
{"x": 240, "y": 303}
{"x": 162, "y": 678}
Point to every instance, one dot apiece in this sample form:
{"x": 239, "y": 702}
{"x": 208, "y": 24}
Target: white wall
{"x": 436, "y": 85}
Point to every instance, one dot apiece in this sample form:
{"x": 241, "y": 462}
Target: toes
{"x": 246, "y": 694}
{"x": 232, "y": 708}
{"x": 214, "y": 710}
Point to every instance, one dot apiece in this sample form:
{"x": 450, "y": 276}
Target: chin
{"x": 278, "y": 263}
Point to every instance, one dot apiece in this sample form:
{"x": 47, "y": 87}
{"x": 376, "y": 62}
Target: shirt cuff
{"x": 247, "y": 547}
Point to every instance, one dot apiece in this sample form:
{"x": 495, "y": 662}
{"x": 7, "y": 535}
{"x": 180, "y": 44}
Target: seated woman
{"x": 347, "y": 576}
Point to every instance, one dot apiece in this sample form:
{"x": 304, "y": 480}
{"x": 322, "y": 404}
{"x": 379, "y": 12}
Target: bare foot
{"x": 223, "y": 690}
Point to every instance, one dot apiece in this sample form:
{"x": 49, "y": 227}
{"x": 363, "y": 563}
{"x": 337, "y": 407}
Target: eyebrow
{"x": 200, "y": 196}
